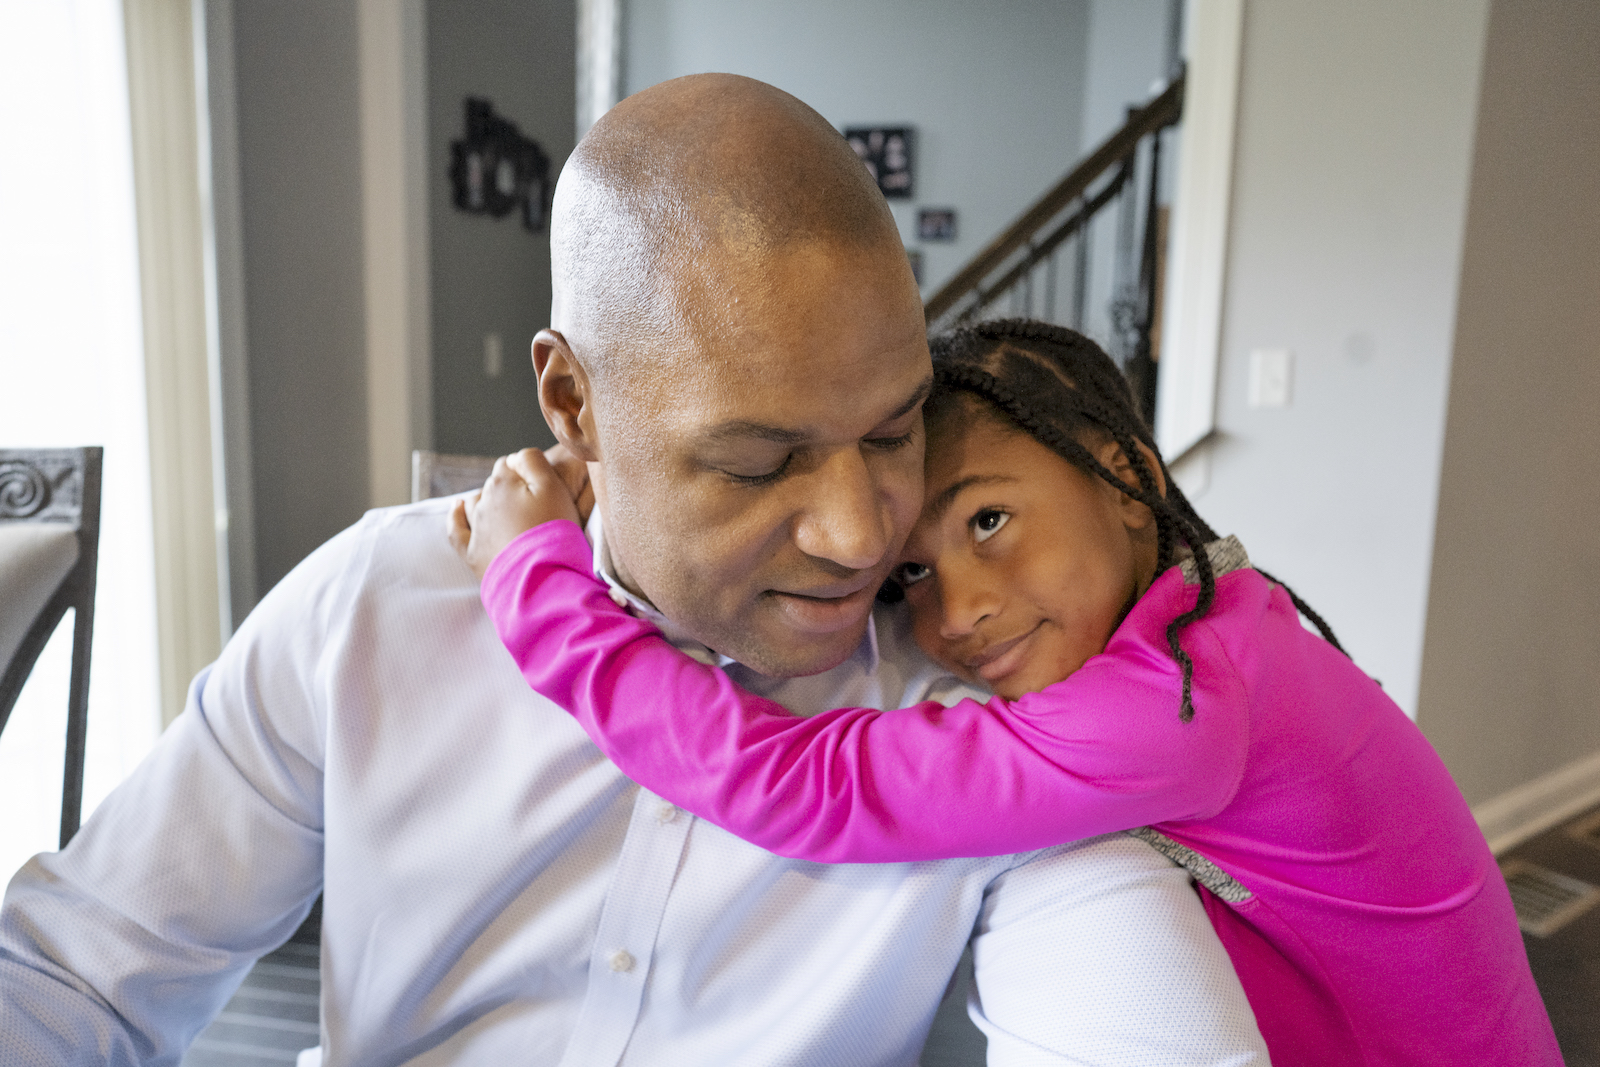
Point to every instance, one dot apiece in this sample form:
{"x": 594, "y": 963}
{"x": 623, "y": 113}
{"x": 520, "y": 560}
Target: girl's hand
{"x": 525, "y": 489}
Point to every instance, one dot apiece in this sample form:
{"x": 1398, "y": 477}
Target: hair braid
{"x": 1168, "y": 519}
{"x": 1074, "y": 386}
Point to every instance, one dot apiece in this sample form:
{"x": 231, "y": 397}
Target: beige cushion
{"x": 34, "y": 558}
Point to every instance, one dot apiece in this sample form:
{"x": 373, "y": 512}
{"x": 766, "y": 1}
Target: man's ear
{"x": 566, "y": 396}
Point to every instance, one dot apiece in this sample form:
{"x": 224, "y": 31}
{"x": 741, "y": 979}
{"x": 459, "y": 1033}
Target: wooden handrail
{"x": 1163, "y": 111}
{"x": 1075, "y": 222}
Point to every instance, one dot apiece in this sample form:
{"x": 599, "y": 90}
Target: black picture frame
{"x": 936, "y": 224}
{"x": 889, "y": 153}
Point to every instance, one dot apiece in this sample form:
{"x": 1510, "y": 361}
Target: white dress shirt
{"x": 496, "y": 892}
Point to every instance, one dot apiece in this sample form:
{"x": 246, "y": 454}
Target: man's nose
{"x": 847, "y": 520}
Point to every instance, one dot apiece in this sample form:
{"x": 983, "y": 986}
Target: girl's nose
{"x": 966, "y": 599}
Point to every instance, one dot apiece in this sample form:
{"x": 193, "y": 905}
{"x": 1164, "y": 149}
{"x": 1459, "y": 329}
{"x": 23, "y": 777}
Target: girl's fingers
{"x": 458, "y": 528}
{"x": 573, "y": 472}
{"x": 532, "y": 467}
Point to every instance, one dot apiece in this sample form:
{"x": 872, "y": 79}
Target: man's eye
{"x": 762, "y": 479}
{"x": 890, "y": 444}
{"x": 912, "y": 573}
{"x": 987, "y": 523}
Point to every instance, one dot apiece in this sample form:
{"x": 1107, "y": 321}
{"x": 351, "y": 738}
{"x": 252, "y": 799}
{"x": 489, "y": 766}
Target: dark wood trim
{"x": 1161, "y": 112}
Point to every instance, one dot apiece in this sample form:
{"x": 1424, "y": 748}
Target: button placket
{"x": 619, "y": 963}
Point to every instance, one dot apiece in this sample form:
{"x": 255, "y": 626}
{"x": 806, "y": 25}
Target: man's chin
{"x": 784, "y": 652}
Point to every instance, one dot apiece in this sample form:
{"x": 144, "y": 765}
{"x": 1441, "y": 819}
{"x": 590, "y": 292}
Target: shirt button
{"x": 666, "y": 813}
{"x": 618, "y": 597}
{"x": 621, "y": 961}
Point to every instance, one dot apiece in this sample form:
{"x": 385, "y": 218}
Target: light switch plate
{"x": 1270, "y": 373}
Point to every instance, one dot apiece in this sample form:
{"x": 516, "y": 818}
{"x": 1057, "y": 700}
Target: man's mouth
{"x": 1002, "y": 657}
{"x": 827, "y": 609}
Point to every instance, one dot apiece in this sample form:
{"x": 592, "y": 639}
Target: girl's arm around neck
{"x": 1102, "y": 751}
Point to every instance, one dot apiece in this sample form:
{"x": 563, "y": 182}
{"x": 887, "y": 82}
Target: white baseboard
{"x": 1512, "y": 817}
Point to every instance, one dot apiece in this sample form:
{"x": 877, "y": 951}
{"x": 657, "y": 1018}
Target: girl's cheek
{"x": 925, "y": 627}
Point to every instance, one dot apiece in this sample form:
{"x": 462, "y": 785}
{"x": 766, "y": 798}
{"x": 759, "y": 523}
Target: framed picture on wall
{"x": 936, "y": 224}
{"x": 887, "y": 153}
{"x": 495, "y": 169}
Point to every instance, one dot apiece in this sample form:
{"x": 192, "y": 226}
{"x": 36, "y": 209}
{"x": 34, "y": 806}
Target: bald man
{"x": 737, "y": 353}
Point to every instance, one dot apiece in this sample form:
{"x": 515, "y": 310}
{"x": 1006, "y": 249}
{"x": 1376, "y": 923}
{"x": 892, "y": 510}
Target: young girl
{"x": 1146, "y": 678}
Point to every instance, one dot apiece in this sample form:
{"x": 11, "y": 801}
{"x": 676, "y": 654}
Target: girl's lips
{"x": 998, "y": 660}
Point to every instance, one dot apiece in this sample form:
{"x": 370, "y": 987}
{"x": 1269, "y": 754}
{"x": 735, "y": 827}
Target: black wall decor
{"x": 887, "y": 153}
{"x": 936, "y": 224}
{"x": 495, "y": 169}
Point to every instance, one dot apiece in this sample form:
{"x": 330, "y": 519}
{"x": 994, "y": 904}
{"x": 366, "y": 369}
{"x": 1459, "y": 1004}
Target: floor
{"x": 274, "y": 1014}
{"x": 1566, "y": 964}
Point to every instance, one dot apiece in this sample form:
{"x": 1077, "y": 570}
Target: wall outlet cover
{"x": 1271, "y": 370}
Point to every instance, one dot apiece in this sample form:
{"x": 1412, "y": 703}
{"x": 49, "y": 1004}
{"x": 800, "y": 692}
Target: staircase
{"x": 1042, "y": 265}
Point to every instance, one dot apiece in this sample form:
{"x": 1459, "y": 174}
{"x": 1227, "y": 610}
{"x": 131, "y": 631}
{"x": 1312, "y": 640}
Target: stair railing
{"x": 1008, "y": 268}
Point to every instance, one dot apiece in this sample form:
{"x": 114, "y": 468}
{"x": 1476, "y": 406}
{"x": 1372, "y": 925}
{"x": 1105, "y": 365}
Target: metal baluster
{"x": 1050, "y": 286}
{"x": 1027, "y": 289}
{"x": 1124, "y": 286}
{"x": 1080, "y": 281}
{"x": 1142, "y": 367}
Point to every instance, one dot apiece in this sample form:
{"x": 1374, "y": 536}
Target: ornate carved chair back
{"x": 49, "y": 549}
{"x": 438, "y": 474}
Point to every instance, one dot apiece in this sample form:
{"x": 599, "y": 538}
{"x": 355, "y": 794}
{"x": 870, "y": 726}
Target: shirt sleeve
{"x": 1100, "y": 953}
{"x": 121, "y": 947}
{"x": 1104, "y": 750}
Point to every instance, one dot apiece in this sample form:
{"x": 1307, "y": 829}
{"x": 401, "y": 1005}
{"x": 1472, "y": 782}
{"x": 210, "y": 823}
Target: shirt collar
{"x": 866, "y": 653}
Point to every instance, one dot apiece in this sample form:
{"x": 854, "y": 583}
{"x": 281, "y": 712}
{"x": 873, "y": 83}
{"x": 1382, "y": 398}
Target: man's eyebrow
{"x": 918, "y": 396}
{"x": 744, "y": 428}
{"x": 727, "y": 431}
{"x": 942, "y": 502}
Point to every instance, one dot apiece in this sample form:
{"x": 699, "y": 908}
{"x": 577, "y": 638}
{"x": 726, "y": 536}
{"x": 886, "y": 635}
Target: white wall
{"x": 1354, "y": 145}
{"x": 72, "y": 373}
{"x": 296, "y": 75}
{"x": 995, "y": 90}
{"x": 1511, "y": 681}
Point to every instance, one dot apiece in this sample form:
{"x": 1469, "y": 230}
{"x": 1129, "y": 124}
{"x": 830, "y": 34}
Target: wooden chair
{"x": 440, "y": 474}
{"x": 49, "y": 550}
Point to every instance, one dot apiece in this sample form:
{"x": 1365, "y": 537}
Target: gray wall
{"x": 1354, "y": 146}
{"x": 995, "y": 90}
{"x": 1510, "y": 672}
{"x": 491, "y": 275}
{"x": 1129, "y": 49}
{"x": 300, "y": 204}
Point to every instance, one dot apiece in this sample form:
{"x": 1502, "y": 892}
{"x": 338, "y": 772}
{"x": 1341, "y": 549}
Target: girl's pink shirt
{"x": 1376, "y": 930}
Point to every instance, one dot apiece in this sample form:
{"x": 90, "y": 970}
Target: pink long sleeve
{"x": 1101, "y": 751}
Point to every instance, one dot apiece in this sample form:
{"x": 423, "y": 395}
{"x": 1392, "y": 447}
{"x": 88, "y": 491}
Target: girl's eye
{"x": 912, "y": 573}
{"x": 987, "y": 523}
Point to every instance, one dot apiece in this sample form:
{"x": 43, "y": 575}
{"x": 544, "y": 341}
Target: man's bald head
{"x": 739, "y": 355}
{"x": 706, "y": 172}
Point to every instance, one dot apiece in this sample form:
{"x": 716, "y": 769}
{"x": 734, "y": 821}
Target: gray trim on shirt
{"x": 1226, "y": 554}
{"x": 1220, "y": 882}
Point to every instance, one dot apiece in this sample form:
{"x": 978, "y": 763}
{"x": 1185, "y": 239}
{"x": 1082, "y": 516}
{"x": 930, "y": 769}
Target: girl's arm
{"x": 1102, "y": 751}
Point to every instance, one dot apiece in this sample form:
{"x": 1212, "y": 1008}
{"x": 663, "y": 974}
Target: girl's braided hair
{"x": 1060, "y": 388}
